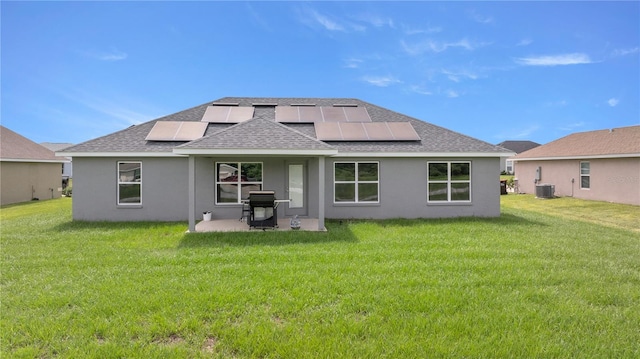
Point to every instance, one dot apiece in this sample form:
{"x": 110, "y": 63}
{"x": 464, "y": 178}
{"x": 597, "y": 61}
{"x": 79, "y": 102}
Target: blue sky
{"x": 73, "y": 71}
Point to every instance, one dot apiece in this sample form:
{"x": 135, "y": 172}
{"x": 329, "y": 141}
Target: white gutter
{"x": 422, "y": 154}
{"x": 582, "y": 157}
{"x": 254, "y": 152}
{"x": 117, "y": 154}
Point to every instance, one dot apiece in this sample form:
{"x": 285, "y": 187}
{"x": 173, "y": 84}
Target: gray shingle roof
{"x": 518, "y": 146}
{"x": 435, "y": 139}
{"x": 258, "y": 133}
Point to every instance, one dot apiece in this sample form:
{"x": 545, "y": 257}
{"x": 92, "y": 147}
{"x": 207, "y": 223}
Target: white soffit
{"x": 228, "y": 114}
{"x": 176, "y": 131}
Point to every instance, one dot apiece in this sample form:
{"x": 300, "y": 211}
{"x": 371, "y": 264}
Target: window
{"x": 585, "y": 175}
{"x": 234, "y": 180}
{"x": 509, "y": 167}
{"x": 449, "y": 181}
{"x": 129, "y": 183}
{"x": 356, "y": 182}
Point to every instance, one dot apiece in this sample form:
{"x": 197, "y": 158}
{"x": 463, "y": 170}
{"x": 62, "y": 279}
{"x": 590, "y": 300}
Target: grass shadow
{"x": 334, "y": 233}
{"x": 504, "y": 219}
{"x": 77, "y": 226}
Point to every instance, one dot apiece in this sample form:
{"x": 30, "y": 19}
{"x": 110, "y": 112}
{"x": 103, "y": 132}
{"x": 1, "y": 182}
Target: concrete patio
{"x": 234, "y": 225}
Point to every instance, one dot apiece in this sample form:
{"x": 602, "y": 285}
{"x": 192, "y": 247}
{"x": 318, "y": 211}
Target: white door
{"x": 296, "y": 175}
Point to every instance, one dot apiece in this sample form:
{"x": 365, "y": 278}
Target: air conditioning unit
{"x": 544, "y": 190}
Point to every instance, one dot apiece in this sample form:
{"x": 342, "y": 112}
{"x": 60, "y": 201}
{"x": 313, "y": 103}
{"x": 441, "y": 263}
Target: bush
{"x": 67, "y": 191}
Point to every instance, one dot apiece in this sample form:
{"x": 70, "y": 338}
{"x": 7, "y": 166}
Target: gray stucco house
{"x": 332, "y": 157}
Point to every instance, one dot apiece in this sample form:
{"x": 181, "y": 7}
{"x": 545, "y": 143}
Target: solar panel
{"x": 356, "y": 114}
{"x": 312, "y": 114}
{"x": 333, "y": 114}
{"x": 366, "y": 131}
{"x": 230, "y": 114}
{"x": 176, "y": 131}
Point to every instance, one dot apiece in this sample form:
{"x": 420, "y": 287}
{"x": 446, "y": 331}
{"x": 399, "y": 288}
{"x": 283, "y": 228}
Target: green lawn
{"x": 542, "y": 281}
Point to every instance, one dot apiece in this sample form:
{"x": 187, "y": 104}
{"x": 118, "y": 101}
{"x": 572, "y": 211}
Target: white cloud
{"x": 381, "y": 81}
{"x": 555, "y": 60}
{"x": 624, "y": 52}
{"x": 113, "y": 55}
{"x": 409, "y": 30}
{"x": 571, "y": 127}
{"x": 376, "y": 20}
{"x": 477, "y": 17}
{"x": 327, "y": 23}
{"x": 352, "y": 63}
{"x": 613, "y": 102}
{"x": 420, "y": 90}
{"x": 457, "y": 76}
{"x": 523, "y": 132}
{"x": 524, "y": 42}
{"x": 436, "y": 46}
{"x": 452, "y": 94}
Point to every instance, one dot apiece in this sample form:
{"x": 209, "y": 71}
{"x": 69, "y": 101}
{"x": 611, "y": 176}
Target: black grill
{"x": 263, "y": 212}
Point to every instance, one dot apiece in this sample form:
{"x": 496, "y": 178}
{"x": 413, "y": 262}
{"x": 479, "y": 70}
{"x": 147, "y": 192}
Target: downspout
{"x": 192, "y": 194}
{"x": 321, "y": 179}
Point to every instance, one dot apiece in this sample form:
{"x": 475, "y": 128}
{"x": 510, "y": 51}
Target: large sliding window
{"x": 356, "y": 182}
{"x": 585, "y": 175}
{"x": 449, "y": 181}
{"x": 234, "y": 180}
{"x": 129, "y": 183}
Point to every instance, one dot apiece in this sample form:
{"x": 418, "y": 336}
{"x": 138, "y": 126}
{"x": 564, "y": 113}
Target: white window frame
{"x": 448, "y": 181}
{"x": 588, "y": 174}
{"x": 128, "y": 183}
{"x": 239, "y": 182}
{"x": 355, "y": 182}
{"x": 509, "y": 164}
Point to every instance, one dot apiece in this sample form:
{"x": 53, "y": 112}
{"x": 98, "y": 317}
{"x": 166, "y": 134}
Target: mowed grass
{"x": 527, "y": 284}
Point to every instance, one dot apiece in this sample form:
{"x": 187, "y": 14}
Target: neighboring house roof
{"x": 54, "y": 146}
{"x": 17, "y": 148}
{"x": 518, "y": 146}
{"x": 616, "y": 142}
{"x": 262, "y": 132}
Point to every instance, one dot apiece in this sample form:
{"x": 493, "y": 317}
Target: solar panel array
{"x": 313, "y": 114}
{"x": 366, "y": 131}
{"x": 228, "y": 114}
{"x": 176, "y": 131}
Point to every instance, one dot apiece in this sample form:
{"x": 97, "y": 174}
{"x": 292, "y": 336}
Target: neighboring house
{"x": 27, "y": 170}
{"x": 67, "y": 167}
{"x": 506, "y": 163}
{"x": 334, "y": 158}
{"x": 598, "y": 165}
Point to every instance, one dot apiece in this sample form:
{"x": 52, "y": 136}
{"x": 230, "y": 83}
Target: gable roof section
{"x": 435, "y": 140}
{"x": 17, "y": 148}
{"x": 518, "y": 146}
{"x": 617, "y": 142}
{"x": 257, "y": 136}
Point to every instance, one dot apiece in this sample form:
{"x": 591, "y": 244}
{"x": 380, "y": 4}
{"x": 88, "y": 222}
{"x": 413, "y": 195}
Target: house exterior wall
{"x": 164, "y": 190}
{"x": 612, "y": 179}
{"x": 403, "y": 189}
{"x": 23, "y": 181}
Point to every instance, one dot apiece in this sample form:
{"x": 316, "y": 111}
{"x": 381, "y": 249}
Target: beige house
{"x": 27, "y": 170}
{"x": 599, "y": 165}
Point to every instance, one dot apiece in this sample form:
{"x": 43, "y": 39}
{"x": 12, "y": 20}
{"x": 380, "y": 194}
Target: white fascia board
{"x": 254, "y": 152}
{"x": 420, "y": 154}
{"x": 117, "y": 154}
{"x": 32, "y": 160}
{"x": 587, "y": 157}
